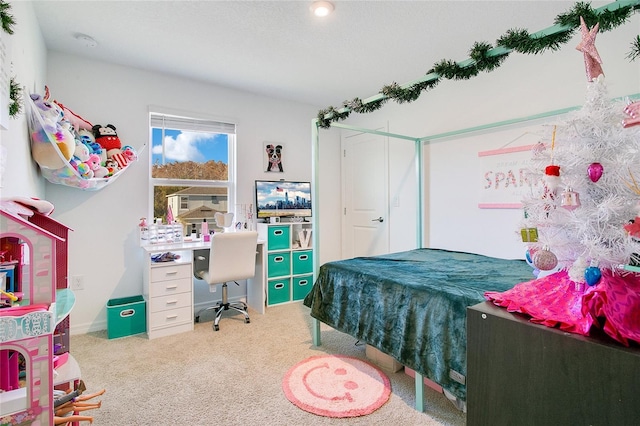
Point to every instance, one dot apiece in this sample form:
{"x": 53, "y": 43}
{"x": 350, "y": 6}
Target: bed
{"x": 412, "y": 305}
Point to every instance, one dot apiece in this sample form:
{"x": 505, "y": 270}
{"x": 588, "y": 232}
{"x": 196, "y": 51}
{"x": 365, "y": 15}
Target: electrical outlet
{"x": 77, "y": 282}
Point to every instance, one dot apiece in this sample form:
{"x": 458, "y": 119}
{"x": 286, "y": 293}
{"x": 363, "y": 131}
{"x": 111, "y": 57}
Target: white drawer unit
{"x": 173, "y": 301}
{"x": 168, "y": 291}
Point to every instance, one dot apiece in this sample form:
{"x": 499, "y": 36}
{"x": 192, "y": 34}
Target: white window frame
{"x": 231, "y": 181}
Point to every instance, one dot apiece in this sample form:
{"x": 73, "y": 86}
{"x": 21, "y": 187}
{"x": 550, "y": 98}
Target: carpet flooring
{"x": 232, "y": 376}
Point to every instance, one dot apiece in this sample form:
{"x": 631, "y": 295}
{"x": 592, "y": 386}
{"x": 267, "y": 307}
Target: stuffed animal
{"x": 52, "y": 132}
{"x": 112, "y": 166}
{"x": 107, "y": 137}
{"x": 76, "y": 121}
{"x": 94, "y": 164}
{"x": 123, "y": 157}
{"x": 86, "y": 136}
{"x": 81, "y": 152}
{"x": 84, "y": 171}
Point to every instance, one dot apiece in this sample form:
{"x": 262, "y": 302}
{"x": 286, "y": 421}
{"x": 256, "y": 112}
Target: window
{"x": 192, "y": 168}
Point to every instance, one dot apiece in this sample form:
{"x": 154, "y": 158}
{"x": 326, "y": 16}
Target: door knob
{"x": 380, "y": 219}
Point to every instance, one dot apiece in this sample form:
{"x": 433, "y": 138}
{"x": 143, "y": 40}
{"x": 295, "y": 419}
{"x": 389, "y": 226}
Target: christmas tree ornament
{"x": 592, "y": 275}
{"x": 570, "y": 199}
{"x": 538, "y": 148}
{"x": 545, "y": 260}
{"x": 633, "y": 111}
{"x": 633, "y": 227}
{"x": 552, "y": 177}
{"x": 528, "y": 259}
{"x": 587, "y": 46}
{"x": 595, "y": 171}
{"x": 529, "y": 235}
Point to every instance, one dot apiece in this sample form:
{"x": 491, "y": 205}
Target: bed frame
{"x": 339, "y": 114}
{"x": 412, "y": 306}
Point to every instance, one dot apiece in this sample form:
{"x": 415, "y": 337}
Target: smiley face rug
{"x": 336, "y": 386}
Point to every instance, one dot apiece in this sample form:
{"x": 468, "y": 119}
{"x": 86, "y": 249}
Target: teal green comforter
{"x": 412, "y": 305}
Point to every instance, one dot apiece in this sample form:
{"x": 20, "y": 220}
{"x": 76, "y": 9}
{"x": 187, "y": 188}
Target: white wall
{"x": 523, "y": 86}
{"x": 103, "y": 247}
{"x": 28, "y": 60}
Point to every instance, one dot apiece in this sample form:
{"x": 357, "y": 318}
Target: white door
{"x": 365, "y": 195}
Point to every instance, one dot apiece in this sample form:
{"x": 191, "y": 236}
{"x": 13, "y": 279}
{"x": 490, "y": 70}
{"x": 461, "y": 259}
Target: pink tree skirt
{"x": 556, "y": 301}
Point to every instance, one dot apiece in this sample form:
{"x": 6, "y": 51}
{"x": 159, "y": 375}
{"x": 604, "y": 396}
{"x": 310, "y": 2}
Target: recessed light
{"x": 322, "y": 8}
{"x": 86, "y": 40}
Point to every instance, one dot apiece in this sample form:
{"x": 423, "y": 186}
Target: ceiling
{"x": 279, "y": 49}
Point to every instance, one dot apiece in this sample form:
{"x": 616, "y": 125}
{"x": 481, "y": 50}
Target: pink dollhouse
{"x": 26, "y": 331}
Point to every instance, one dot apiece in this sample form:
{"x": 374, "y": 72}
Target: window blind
{"x": 190, "y": 124}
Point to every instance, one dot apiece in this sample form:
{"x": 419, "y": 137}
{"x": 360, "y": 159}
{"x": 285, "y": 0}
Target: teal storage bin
{"x": 279, "y": 264}
{"x": 126, "y": 316}
{"x": 302, "y": 262}
{"x": 278, "y": 237}
{"x": 279, "y": 291}
{"x": 302, "y": 286}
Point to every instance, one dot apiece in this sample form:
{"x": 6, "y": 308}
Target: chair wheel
{"x": 216, "y": 327}
{"x": 197, "y": 319}
{"x": 247, "y": 321}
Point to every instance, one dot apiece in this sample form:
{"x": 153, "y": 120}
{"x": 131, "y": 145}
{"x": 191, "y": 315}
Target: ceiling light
{"x": 86, "y": 40}
{"x": 322, "y": 8}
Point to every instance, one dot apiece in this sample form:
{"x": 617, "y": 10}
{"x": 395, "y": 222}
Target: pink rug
{"x": 336, "y": 386}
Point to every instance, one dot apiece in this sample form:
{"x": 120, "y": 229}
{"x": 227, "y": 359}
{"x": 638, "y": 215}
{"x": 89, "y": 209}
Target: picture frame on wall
{"x": 273, "y": 157}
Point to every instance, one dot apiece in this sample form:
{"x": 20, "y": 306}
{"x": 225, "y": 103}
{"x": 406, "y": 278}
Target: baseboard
{"x": 88, "y": 327}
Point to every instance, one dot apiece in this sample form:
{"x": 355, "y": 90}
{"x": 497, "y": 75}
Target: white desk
{"x": 168, "y": 287}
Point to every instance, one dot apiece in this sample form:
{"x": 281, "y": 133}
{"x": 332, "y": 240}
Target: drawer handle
{"x": 303, "y": 257}
{"x": 171, "y": 302}
{"x": 172, "y": 272}
{"x": 303, "y": 282}
{"x": 278, "y": 232}
{"x": 172, "y": 316}
{"x": 278, "y": 259}
{"x": 171, "y": 287}
{"x": 279, "y": 286}
{"x": 127, "y": 313}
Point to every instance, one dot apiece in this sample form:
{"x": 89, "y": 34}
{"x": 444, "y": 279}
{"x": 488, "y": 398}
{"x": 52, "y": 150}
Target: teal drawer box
{"x": 301, "y": 286}
{"x": 126, "y": 316}
{"x": 278, "y": 238}
{"x": 278, "y": 291}
{"x": 302, "y": 262}
{"x": 279, "y": 264}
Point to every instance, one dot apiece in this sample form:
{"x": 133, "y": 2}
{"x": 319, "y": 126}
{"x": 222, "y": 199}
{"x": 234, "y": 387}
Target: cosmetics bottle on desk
{"x": 204, "y": 231}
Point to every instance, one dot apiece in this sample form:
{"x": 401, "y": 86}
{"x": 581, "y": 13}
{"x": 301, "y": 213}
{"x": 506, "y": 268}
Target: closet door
{"x": 365, "y": 171}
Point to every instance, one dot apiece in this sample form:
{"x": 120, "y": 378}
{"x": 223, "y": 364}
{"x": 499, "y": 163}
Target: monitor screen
{"x": 283, "y": 199}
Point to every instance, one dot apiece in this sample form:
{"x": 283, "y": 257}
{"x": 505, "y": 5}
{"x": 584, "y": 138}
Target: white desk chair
{"x": 232, "y": 258}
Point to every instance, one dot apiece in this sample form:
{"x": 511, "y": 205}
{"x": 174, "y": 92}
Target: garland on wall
{"x": 15, "y": 91}
{"x": 6, "y": 18}
{"x": 484, "y": 57}
{"x": 15, "y": 94}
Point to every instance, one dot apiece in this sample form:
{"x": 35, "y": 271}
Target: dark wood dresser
{"x": 520, "y": 373}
